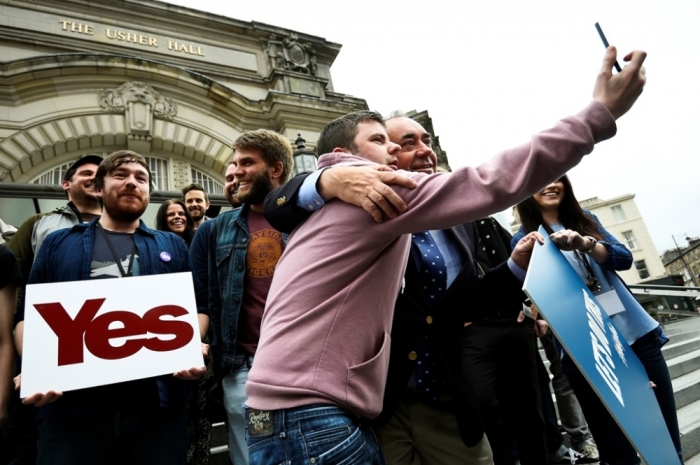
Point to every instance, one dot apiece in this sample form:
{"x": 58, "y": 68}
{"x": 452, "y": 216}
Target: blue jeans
{"x": 612, "y": 444}
{"x": 234, "y": 397}
{"x": 318, "y": 434}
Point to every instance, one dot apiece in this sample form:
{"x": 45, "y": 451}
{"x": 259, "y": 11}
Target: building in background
{"x": 174, "y": 84}
{"x": 621, "y": 217}
{"x": 685, "y": 261}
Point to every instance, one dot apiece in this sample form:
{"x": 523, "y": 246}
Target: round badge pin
{"x": 165, "y": 257}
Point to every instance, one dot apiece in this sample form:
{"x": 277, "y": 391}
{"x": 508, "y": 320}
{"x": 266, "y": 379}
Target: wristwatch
{"x": 594, "y": 242}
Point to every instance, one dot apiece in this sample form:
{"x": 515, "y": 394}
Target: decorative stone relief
{"x": 137, "y": 92}
{"x": 289, "y": 54}
{"x": 141, "y": 103}
{"x": 181, "y": 174}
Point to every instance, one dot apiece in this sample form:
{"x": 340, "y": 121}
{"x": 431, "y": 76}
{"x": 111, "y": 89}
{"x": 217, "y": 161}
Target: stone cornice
{"x": 32, "y": 78}
{"x": 159, "y": 17}
{"x": 208, "y": 117}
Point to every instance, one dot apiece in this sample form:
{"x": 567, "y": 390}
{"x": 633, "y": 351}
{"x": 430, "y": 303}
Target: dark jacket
{"x": 66, "y": 256}
{"x": 469, "y": 298}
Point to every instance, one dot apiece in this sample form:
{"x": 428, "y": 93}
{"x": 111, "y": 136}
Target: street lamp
{"x": 682, "y": 257}
{"x": 304, "y": 159}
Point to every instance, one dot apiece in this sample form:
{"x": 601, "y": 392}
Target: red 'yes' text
{"x": 97, "y": 334}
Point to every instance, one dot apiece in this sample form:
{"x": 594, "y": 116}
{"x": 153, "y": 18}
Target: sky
{"x": 492, "y": 73}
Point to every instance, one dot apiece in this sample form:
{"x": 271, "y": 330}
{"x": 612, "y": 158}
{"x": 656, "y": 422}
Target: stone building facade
{"x": 174, "y": 84}
{"x": 622, "y": 218}
{"x": 685, "y": 261}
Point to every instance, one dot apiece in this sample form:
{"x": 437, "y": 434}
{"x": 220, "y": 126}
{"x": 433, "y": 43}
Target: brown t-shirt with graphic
{"x": 264, "y": 250}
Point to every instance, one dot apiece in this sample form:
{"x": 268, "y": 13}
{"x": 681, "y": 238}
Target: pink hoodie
{"x": 325, "y": 334}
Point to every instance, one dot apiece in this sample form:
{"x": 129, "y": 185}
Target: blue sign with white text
{"x": 595, "y": 345}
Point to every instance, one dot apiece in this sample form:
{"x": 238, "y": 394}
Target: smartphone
{"x": 605, "y": 42}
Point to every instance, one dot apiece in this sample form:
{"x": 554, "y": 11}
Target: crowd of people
{"x": 354, "y": 315}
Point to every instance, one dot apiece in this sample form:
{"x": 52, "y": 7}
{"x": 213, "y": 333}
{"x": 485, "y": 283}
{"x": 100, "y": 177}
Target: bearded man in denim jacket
{"x": 243, "y": 254}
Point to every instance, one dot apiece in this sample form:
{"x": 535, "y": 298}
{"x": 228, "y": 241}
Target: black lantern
{"x": 304, "y": 159}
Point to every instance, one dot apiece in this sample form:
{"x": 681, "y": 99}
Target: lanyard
{"x": 591, "y": 280}
{"x": 114, "y": 253}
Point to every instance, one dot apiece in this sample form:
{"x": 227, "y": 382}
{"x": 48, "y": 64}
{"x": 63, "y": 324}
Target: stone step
{"x": 219, "y": 434}
{"x": 684, "y": 364}
{"x": 690, "y": 334}
{"x": 686, "y": 389}
{"x": 687, "y": 324}
{"x": 693, "y": 460}
{"x": 675, "y": 348}
{"x": 689, "y": 423}
{"x": 219, "y": 456}
{"x": 219, "y": 445}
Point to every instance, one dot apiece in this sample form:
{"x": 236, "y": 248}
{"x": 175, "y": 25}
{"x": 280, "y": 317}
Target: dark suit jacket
{"x": 280, "y": 207}
{"x": 469, "y": 298}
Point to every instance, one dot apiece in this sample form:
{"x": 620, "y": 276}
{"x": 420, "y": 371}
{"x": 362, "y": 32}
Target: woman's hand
{"x": 568, "y": 240}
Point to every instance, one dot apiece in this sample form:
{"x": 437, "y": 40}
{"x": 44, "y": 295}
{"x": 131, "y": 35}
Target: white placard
{"x": 111, "y": 330}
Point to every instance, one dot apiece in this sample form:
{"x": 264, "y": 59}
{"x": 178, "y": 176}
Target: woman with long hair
{"x": 173, "y": 216}
{"x": 595, "y": 254}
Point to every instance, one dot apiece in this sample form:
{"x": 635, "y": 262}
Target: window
{"x": 159, "y": 172}
{"x": 618, "y": 214}
{"x": 629, "y": 238}
{"x": 55, "y": 176}
{"x": 210, "y": 185}
{"x": 641, "y": 267}
{"x": 687, "y": 275}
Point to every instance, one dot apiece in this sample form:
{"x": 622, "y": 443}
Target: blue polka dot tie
{"x": 433, "y": 274}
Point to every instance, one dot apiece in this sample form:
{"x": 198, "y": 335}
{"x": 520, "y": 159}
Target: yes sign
{"x": 97, "y": 332}
{"x": 78, "y": 335}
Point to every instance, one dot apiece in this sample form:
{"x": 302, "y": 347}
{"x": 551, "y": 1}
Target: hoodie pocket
{"x": 366, "y": 381}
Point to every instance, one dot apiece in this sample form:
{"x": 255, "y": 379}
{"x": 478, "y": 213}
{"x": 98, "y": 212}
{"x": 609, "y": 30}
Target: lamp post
{"x": 304, "y": 159}
{"x": 682, "y": 257}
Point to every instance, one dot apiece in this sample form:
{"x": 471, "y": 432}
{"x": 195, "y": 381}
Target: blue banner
{"x": 598, "y": 349}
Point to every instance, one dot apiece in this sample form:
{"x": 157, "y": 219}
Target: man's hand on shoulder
{"x": 523, "y": 249}
{"x": 619, "y": 92}
{"x": 366, "y": 187}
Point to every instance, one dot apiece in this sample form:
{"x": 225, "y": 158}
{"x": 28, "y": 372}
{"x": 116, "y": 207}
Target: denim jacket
{"x": 66, "y": 255}
{"x": 229, "y": 238}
